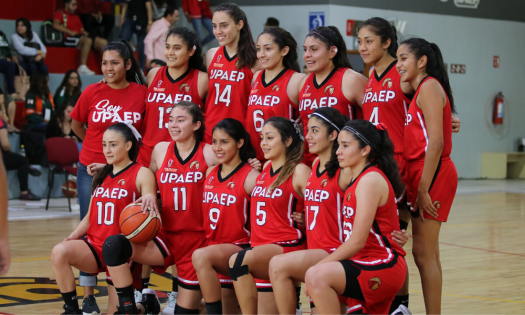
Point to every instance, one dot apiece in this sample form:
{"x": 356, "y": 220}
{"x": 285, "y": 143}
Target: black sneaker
{"x": 89, "y": 306}
{"x": 30, "y": 196}
{"x": 121, "y": 312}
{"x": 70, "y": 310}
{"x": 34, "y": 172}
{"x": 150, "y": 301}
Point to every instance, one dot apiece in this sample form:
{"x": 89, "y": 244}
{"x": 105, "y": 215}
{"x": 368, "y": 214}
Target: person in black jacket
{"x": 60, "y": 124}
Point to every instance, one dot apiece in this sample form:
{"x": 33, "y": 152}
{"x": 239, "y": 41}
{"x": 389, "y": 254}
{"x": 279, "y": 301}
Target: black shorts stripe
{"x": 269, "y": 289}
{"x": 187, "y": 286}
{"x": 227, "y": 285}
{"x": 109, "y": 282}
{"x": 99, "y": 263}
{"x": 435, "y": 175}
{"x": 381, "y": 266}
{"x": 298, "y": 243}
{"x": 294, "y": 209}
{"x": 161, "y": 248}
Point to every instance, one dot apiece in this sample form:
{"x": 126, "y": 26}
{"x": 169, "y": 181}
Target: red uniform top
{"x": 72, "y": 21}
{"x": 271, "y": 211}
{"x": 328, "y": 94}
{"x": 266, "y": 101}
{"x": 102, "y": 106}
{"x": 323, "y": 201}
{"x": 379, "y": 251}
{"x": 385, "y": 102}
{"x": 108, "y": 200}
{"x": 181, "y": 184}
{"x": 226, "y": 205}
{"x": 229, "y": 91}
{"x": 163, "y": 93}
{"x": 416, "y": 136}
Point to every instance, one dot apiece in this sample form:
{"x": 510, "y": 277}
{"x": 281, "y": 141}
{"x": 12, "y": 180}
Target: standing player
{"x": 115, "y": 186}
{"x": 226, "y": 203}
{"x": 230, "y": 66}
{"x": 431, "y": 176}
{"x": 276, "y": 88}
{"x": 278, "y": 195}
{"x": 367, "y": 267}
{"x": 332, "y": 82}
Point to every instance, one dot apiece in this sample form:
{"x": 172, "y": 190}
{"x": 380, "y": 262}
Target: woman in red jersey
{"x": 275, "y": 89}
{"x": 278, "y": 195}
{"x": 120, "y": 98}
{"x": 367, "y": 267}
{"x": 230, "y": 66}
{"x": 115, "y": 186}
{"x": 227, "y": 192}
{"x": 431, "y": 176}
{"x": 332, "y": 82}
{"x": 184, "y": 78}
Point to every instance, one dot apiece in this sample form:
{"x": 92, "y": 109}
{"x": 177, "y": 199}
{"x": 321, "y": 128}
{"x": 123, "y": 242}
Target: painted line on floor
{"x": 474, "y": 297}
{"x": 482, "y": 249}
{"x": 30, "y": 259}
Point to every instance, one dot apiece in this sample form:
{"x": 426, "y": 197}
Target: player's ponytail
{"x": 381, "y": 149}
{"x": 284, "y": 39}
{"x": 125, "y": 51}
{"x": 246, "y": 52}
{"x": 435, "y": 66}
{"x": 331, "y": 36}
{"x": 190, "y": 39}
{"x": 236, "y": 131}
{"x": 196, "y": 115}
{"x": 385, "y": 30}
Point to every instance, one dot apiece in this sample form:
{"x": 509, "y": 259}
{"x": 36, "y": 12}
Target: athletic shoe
{"x": 83, "y": 69}
{"x": 121, "y": 312}
{"x": 30, "y": 197}
{"x": 89, "y": 306}
{"x": 402, "y": 310}
{"x": 34, "y": 172}
{"x": 299, "y": 310}
{"x": 150, "y": 301}
{"x": 138, "y": 296}
{"x": 70, "y": 310}
{"x": 172, "y": 301}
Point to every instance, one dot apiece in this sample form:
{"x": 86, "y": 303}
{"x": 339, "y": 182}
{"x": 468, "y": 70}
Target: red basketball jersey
{"x": 327, "y": 94}
{"x": 271, "y": 210}
{"x": 163, "y": 93}
{"x": 229, "y": 91}
{"x": 266, "y": 101}
{"x": 416, "y": 136}
{"x": 226, "y": 205}
{"x": 181, "y": 183}
{"x": 385, "y": 102}
{"x": 108, "y": 200}
{"x": 323, "y": 202}
{"x": 380, "y": 250}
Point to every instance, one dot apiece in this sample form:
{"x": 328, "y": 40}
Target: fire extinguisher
{"x": 497, "y": 117}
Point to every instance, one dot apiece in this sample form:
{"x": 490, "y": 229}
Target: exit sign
{"x": 458, "y": 68}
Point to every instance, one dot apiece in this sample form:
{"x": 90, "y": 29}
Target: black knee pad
{"x": 182, "y": 310}
{"x": 403, "y": 225}
{"x": 238, "y": 270}
{"x": 116, "y": 250}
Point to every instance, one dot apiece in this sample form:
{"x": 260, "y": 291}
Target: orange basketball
{"x": 72, "y": 188}
{"x": 138, "y": 227}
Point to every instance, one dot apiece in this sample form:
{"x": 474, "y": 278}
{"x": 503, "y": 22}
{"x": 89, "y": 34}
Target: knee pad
{"x": 116, "y": 250}
{"x": 182, "y": 310}
{"x": 238, "y": 270}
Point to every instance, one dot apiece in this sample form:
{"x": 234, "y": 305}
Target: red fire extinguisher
{"x": 497, "y": 117}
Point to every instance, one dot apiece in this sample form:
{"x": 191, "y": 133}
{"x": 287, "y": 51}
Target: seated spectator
{"x": 158, "y": 7}
{"x": 198, "y": 13}
{"x": 155, "y": 41}
{"x": 305, "y": 70}
{"x": 8, "y": 64}
{"x": 39, "y": 104}
{"x": 136, "y": 18}
{"x": 156, "y": 63}
{"x": 70, "y": 24}
{"x": 271, "y": 22}
{"x": 30, "y": 48}
{"x": 69, "y": 90}
{"x": 94, "y": 22}
{"x": 14, "y": 161}
{"x": 8, "y": 114}
{"x": 60, "y": 124}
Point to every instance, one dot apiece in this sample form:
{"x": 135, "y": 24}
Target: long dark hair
{"x": 59, "y": 113}
{"x": 381, "y": 150}
{"x": 338, "y": 119}
{"x": 283, "y": 38}
{"x": 65, "y": 84}
{"x": 125, "y": 51}
{"x": 331, "y": 36}
{"x": 435, "y": 66}
{"x": 191, "y": 40}
{"x": 246, "y": 52}
{"x": 29, "y": 32}
{"x": 39, "y": 86}
{"x": 127, "y": 134}
{"x": 236, "y": 131}
{"x": 385, "y": 30}
{"x": 294, "y": 153}
{"x": 196, "y": 115}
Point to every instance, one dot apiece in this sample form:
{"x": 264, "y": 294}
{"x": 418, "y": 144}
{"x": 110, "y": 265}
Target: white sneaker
{"x": 402, "y": 310}
{"x": 299, "y": 311}
{"x": 138, "y": 296}
{"x": 83, "y": 69}
{"x": 172, "y": 301}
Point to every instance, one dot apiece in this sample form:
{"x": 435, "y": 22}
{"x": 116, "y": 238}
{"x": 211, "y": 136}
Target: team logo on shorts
{"x": 195, "y": 165}
{"x": 329, "y": 90}
{"x": 374, "y": 283}
{"x": 230, "y": 185}
{"x": 121, "y": 183}
{"x": 324, "y": 183}
{"x": 275, "y": 88}
{"x": 348, "y": 197}
{"x": 184, "y": 88}
{"x": 437, "y": 204}
{"x": 388, "y": 82}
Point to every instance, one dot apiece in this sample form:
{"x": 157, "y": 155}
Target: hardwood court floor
{"x": 482, "y": 255}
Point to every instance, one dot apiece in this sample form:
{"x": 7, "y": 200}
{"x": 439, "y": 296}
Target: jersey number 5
{"x": 225, "y": 96}
{"x": 261, "y": 213}
{"x": 109, "y": 212}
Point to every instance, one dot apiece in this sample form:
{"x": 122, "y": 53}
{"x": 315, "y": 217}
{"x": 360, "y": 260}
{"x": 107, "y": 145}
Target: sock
{"x": 398, "y": 300}
{"x": 182, "y": 310}
{"x": 126, "y": 299}
{"x": 298, "y": 295}
{"x": 214, "y": 308}
{"x": 145, "y": 283}
{"x": 70, "y": 298}
{"x": 175, "y": 285}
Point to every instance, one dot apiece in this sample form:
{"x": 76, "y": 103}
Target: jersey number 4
{"x": 105, "y": 211}
{"x": 225, "y": 96}
{"x": 374, "y": 117}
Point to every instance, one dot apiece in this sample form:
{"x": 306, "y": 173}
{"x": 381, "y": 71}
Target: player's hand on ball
{"x": 400, "y": 237}
{"x": 93, "y": 168}
{"x": 149, "y": 203}
{"x": 256, "y": 164}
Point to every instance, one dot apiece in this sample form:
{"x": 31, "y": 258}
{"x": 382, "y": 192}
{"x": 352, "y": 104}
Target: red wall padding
{"x": 34, "y": 10}
{"x": 61, "y": 59}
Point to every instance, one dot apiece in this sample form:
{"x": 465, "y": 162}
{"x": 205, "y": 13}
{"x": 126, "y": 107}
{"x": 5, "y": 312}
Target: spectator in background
{"x": 94, "y": 21}
{"x": 30, "y": 48}
{"x": 14, "y": 161}
{"x": 271, "y": 22}
{"x": 39, "y": 103}
{"x": 70, "y": 24}
{"x": 60, "y": 124}
{"x": 8, "y": 64}
{"x": 69, "y": 90}
{"x": 137, "y": 20}
{"x": 305, "y": 70}
{"x": 155, "y": 41}
{"x": 156, "y": 63}
{"x": 5, "y": 256}
{"x": 158, "y": 7}
{"x": 8, "y": 114}
{"x": 198, "y": 13}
